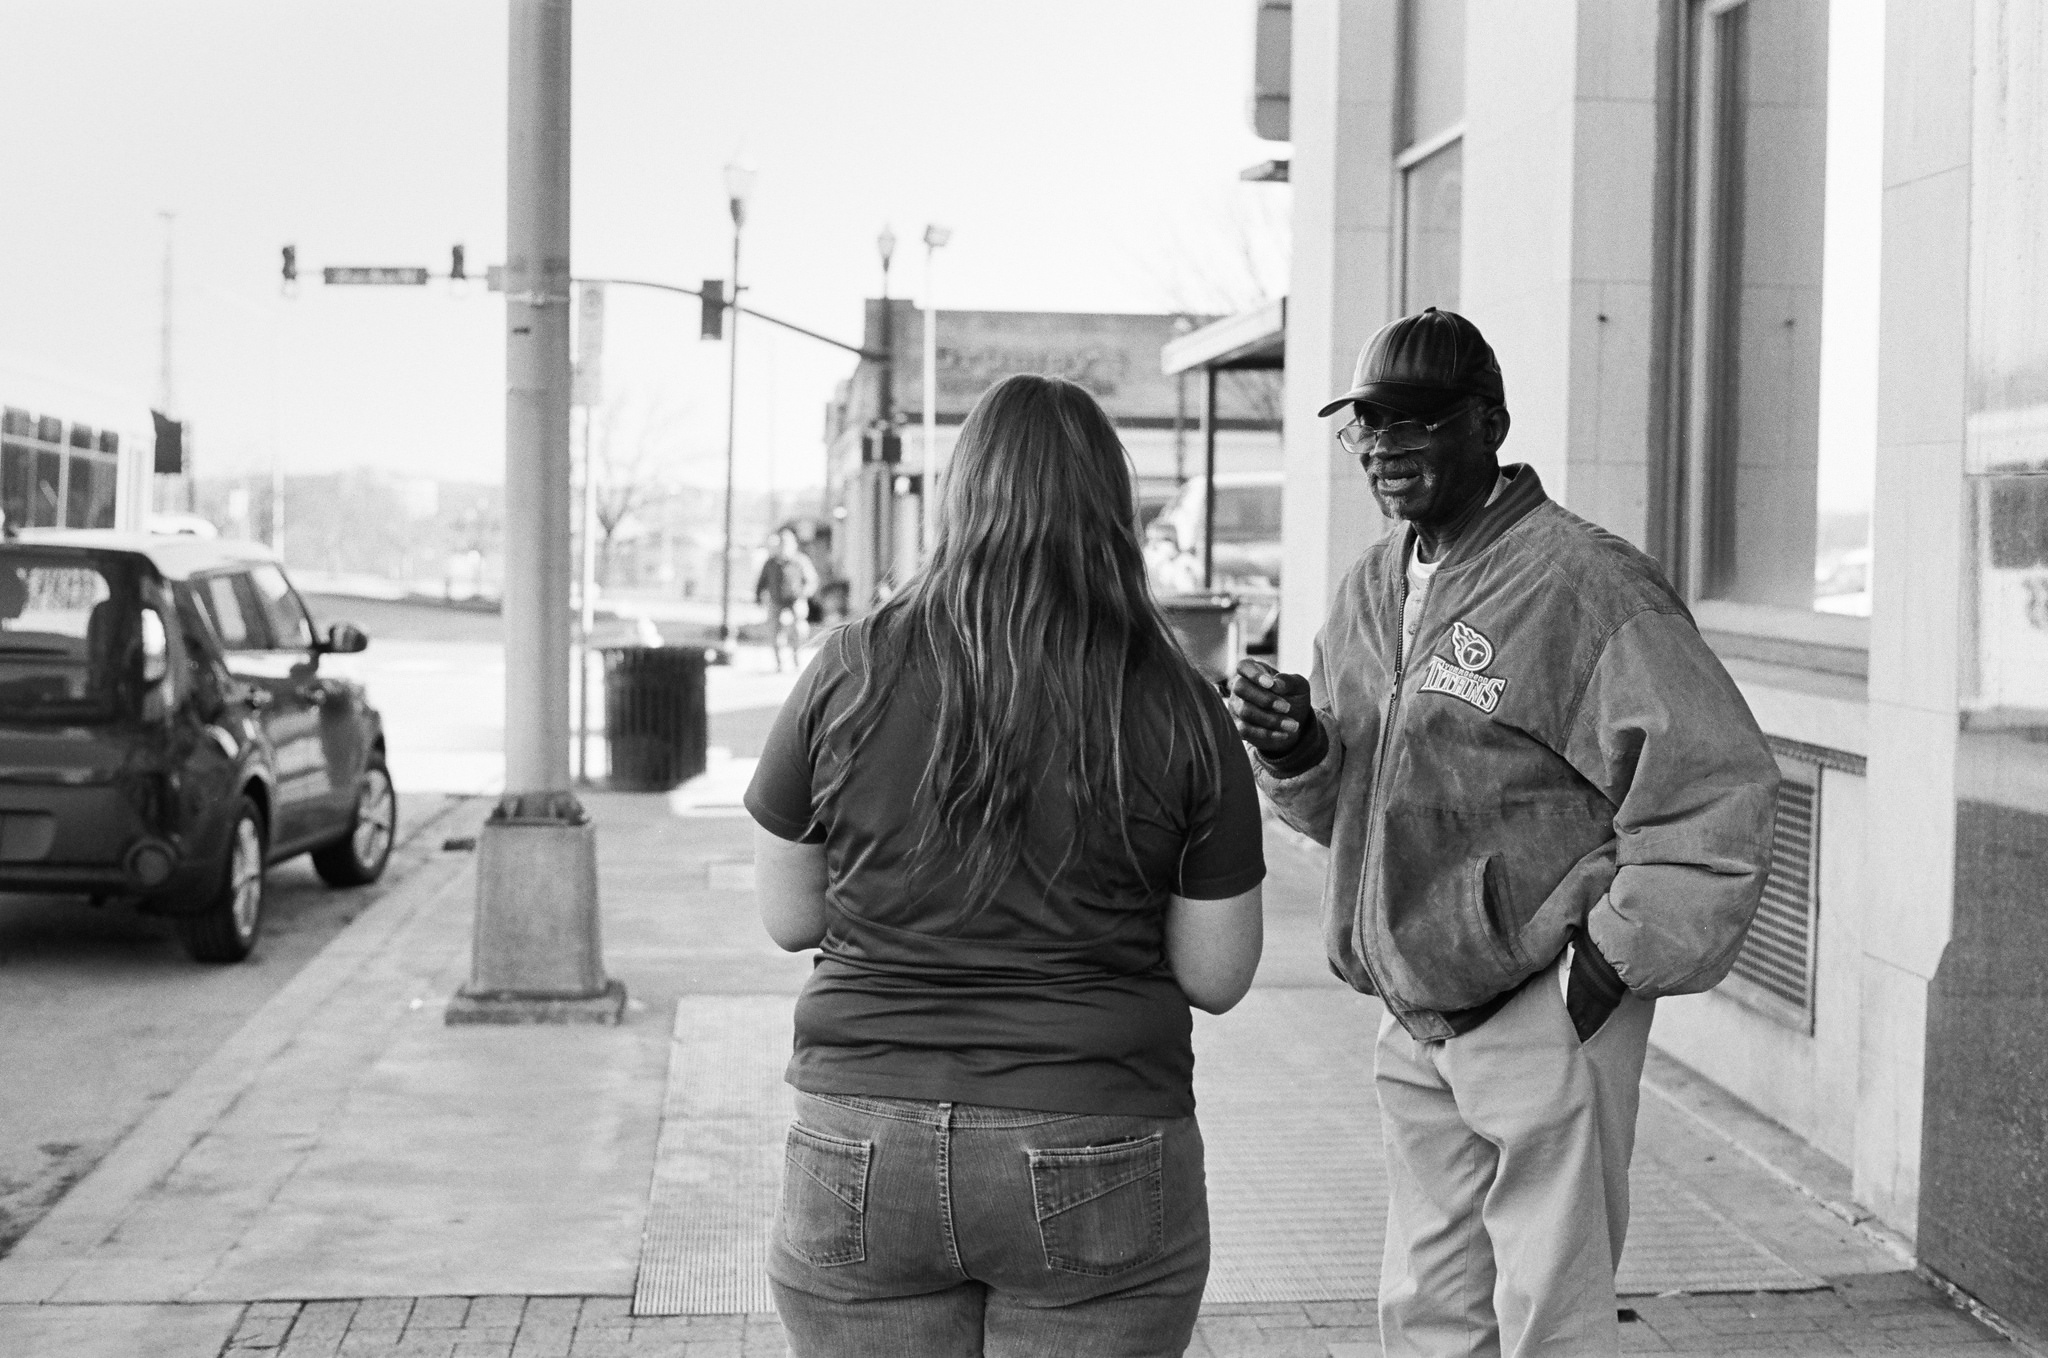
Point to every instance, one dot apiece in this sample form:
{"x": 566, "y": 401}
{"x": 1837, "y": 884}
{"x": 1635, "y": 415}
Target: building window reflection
{"x": 1775, "y": 504}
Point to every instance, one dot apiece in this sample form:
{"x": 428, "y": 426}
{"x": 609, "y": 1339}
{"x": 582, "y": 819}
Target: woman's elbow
{"x": 1218, "y": 994}
{"x": 793, "y": 938}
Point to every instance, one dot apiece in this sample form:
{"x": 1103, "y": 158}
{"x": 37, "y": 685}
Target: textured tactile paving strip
{"x": 718, "y": 1164}
{"x": 1297, "y": 1186}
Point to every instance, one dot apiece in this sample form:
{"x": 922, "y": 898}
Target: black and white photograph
{"x": 1087, "y": 679}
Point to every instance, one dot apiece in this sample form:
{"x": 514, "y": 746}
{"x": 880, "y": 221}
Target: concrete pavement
{"x": 347, "y": 1175}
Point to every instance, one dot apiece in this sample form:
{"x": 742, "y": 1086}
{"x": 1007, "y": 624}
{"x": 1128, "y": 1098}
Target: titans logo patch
{"x": 1464, "y": 680}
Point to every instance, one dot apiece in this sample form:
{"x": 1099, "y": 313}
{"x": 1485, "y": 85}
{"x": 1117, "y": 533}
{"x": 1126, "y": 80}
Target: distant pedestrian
{"x": 1546, "y": 805}
{"x": 786, "y": 584}
{"x": 1019, "y": 827}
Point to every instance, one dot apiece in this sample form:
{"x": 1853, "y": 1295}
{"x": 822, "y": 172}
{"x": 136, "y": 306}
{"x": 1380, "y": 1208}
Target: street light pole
{"x": 934, "y": 238}
{"x": 536, "y": 955}
{"x": 739, "y": 181}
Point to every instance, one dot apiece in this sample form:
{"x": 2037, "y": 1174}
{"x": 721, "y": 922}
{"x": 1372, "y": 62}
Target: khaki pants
{"x": 1507, "y": 1168}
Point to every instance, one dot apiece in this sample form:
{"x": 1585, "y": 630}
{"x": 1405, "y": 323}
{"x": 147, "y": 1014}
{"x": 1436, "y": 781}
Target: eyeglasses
{"x": 1404, "y": 436}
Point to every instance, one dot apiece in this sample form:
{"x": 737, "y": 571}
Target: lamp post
{"x": 881, "y": 544}
{"x": 739, "y": 182}
{"x": 885, "y": 394}
{"x": 934, "y": 238}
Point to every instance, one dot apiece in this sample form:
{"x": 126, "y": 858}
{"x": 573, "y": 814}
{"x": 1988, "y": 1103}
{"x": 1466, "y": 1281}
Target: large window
{"x": 1431, "y": 163}
{"x": 54, "y": 477}
{"x": 1772, "y": 484}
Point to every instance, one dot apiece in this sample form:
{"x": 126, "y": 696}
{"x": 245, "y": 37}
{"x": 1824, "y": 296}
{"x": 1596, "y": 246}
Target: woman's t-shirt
{"x": 1055, "y": 992}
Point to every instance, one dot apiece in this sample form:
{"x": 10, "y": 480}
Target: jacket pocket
{"x": 1100, "y": 1209}
{"x": 823, "y": 1215}
{"x": 1496, "y": 907}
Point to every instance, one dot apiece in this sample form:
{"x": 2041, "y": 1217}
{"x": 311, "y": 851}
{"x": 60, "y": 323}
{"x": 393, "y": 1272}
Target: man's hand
{"x": 1595, "y": 989}
{"x": 1272, "y": 709}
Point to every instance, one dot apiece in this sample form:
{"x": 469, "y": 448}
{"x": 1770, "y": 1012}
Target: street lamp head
{"x": 936, "y": 236}
{"x": 739, "y": 183}
{"x": 885, "y": 245}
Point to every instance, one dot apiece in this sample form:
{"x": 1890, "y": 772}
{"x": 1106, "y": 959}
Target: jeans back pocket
{"x": 823, "y": 1216}
{"x": 1100, "y": 1208}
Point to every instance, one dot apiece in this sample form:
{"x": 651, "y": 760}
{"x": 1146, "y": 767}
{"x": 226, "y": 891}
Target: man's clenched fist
{"x": 1272, "y": 709}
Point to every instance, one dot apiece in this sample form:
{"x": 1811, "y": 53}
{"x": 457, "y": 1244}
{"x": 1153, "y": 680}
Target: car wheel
{"x": 225, "y": 929}
{"x": 359, "y": 856}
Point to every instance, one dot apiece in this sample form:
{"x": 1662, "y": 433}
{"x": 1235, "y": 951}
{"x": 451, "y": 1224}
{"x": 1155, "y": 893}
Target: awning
{"x": 1250, "y": 339}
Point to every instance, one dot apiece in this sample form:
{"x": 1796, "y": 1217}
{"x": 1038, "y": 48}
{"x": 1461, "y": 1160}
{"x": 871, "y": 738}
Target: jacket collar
{"x": 1523, "y": 493}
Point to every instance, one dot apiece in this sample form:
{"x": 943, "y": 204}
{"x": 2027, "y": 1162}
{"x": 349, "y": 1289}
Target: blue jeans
{"x": 908, "y": 1227}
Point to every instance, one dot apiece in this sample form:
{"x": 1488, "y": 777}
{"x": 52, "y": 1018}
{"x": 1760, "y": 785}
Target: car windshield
{"x": 67, "y": 624}
{"x": 1247, "y": 513}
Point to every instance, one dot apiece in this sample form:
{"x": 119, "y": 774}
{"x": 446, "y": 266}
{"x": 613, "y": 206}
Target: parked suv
{"x": 165, "y": 732}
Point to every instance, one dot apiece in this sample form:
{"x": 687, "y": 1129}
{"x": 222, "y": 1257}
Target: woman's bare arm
{"x": 789, "y": 885}
{"x": 1213, "y": 947}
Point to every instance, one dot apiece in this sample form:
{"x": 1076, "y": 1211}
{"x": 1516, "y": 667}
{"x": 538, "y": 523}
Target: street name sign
{"x": 412, "y": 278}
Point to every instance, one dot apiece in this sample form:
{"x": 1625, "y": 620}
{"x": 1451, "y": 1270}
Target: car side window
{"x": 290, "y": 628}
{"x": 231, "y": 605}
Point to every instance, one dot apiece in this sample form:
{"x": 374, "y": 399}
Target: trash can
{"x": 655, "y": 726}
{"x": 1206, "y": 626}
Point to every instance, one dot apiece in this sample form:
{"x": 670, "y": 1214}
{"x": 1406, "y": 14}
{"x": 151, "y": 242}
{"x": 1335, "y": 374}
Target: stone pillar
{"x": 1340, "y": 291}
{"x": 1983, "y": 1221}
{"x": 1564, "y": 125}
{"x": 1915, "y": 627}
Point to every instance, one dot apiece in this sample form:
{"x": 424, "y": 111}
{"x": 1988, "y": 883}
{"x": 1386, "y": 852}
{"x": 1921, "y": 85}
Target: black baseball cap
{"x": 1423, "y": 364}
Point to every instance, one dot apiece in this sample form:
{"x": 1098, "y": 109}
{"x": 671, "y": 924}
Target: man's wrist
{"x": 1307, "y": 752}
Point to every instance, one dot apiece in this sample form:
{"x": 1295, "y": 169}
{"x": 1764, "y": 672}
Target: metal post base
{"x": 537, "y": 956}
{"x": 607, "y": 1008}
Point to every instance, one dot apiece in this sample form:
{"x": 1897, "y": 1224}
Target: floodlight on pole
{"x": 739, "y": 184}
{"x": 935, "y": 237}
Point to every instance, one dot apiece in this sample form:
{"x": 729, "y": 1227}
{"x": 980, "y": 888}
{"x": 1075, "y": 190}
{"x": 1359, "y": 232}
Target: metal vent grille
{"x": 1777, "y": 958}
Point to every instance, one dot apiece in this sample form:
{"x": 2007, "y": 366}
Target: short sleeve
{"x": 1226, "y": 852}
{"x": 779, "y": 797}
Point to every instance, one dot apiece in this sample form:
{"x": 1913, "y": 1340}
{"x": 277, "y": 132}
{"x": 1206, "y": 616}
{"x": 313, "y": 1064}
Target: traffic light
{"x": 291, "y": 264}
{"x": 455, "y": 263}
{"x": 713, "y": 324}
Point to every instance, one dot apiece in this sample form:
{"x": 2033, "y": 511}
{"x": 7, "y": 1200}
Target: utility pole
{"x": 934, "y": 238}
{"x": 537, "y": 957}
{"x": 739, "y": 181}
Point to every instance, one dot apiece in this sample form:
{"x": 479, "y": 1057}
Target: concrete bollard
{"x": 537, "y": 956}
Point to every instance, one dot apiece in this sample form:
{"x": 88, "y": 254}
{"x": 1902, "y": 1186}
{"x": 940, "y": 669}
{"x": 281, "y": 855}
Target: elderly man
{"x": 1546, "y": 805}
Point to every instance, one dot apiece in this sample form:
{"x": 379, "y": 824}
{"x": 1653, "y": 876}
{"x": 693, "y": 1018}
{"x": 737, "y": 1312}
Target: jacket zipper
{"x": 1379, "y": 768}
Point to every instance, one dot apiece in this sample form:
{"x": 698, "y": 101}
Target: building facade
{"x": 1768, "y": 281}
{"x": 876, "y": 488}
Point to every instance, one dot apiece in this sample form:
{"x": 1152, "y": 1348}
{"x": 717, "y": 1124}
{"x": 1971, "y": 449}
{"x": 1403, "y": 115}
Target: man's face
{"x": 1431, "y": 485}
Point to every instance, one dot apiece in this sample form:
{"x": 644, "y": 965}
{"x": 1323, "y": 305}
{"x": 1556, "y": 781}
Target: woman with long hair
{"x": 1021, "y": 832}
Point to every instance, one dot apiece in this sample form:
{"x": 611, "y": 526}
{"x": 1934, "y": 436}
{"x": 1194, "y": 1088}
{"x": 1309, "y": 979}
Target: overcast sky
{"x": 1085, "y": 152}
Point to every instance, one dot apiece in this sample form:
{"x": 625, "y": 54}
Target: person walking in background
{"x": 785, "y": 586}
{"x": 1546, "y": 805}
{"x": 1019, "y": 827}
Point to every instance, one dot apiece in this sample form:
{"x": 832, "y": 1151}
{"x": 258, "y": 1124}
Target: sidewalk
{"x": 347, "y": 1175}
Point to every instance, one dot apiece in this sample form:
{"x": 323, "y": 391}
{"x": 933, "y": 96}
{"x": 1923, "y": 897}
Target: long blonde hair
{"x": 1034, "y": 616}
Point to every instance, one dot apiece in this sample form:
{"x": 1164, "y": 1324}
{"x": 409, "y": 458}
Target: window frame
{"x": 1685, "y": 510}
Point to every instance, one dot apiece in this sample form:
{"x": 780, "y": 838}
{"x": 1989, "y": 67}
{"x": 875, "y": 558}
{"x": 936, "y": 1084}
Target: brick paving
{"x": 1864, "y": 1314}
